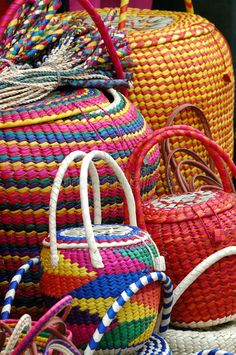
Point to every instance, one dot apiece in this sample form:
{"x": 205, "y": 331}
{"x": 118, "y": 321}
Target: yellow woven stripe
{"x": 65, "y": 267}
{"x": 130, "y": 312}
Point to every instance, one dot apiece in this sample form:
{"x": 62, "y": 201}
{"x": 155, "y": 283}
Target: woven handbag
{"x": 189, "y": 227}
{"x": 34, "y": 139}
{"x": 95, "y": 263}
{"x": 189, "y": 342}
{"x": 180, "y": 57}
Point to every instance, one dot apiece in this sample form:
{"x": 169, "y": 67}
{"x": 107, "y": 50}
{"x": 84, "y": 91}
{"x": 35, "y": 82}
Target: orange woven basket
{"x": 189, "y": 227}
{"x": 180, "y": 57}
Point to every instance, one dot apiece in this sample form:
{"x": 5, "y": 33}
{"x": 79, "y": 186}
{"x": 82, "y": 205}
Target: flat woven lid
{"x": 147, "y": 28}
{"x": 58, "y": 105}
{"x": 105, "y": 234}
{"x": 188, "y": 206}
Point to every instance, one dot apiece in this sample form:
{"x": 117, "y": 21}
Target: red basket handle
{"x": 136, "y": 160}
{"x": 124, "y": 4}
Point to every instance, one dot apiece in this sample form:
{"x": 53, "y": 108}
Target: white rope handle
{"x": 23, "y": 323}
{"x": 198, "y": 271}
{"x": 95, "y": 255}
{"x": 54, "y": 198}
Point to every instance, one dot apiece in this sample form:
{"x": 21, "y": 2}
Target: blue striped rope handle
{"x": 214, "y": 352}
{"x": 124, "y": 297}
{"x": 15, "y": 281}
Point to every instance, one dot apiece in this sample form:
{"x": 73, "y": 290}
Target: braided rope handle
{"x": 219, "y": 157}
{"x": 63, "y": 346}
{"x": 54, "y": 198}
{"x": 102, "y": 28}
{"x": 124, "y": 5}
{"x": 125, "y": 297}
{"x": 95, "y": 255}
{"x": 24, "y": 323}
{"x": 13, "y": 285}
{"x": 214, "y": 352}
{"x": 63, "y": 305}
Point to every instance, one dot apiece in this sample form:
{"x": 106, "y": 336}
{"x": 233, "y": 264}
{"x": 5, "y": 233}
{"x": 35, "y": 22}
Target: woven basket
{"x": 34, "y": 140}
{"x": 180, "y": 57}
{"x": 189, "y": 227}
{"x": 189, "y": 342}
{"x": 94, "y": 264}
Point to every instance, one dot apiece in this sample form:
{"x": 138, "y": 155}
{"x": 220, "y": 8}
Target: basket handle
{"x": 195, "y": 273}
{"x": 62, "y": 346}
{"x": 124, "y": 4}
{"x": 125, "y": 297}
{"x": 136, "y": 160}
{"x": 64, "y": 304}
{"x": 13, "y": 285}
{"x": 214, "y": 352}
{"x": 54, "y": 197}
{"x": 95, "y": 255}
{"x": 102, "y": 28}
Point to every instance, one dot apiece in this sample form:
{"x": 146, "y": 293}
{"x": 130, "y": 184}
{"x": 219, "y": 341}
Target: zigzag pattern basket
{"x": 189, "y": 227}
{"x": 180, "y": 57}
{"x": 96, "y": 263}
{"x": 34, "y": 140}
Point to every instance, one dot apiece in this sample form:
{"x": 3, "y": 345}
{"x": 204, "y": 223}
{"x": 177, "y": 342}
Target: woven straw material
{"x": 34, "y": 140}
{"x": 189, "y": 342}
{"x": 181, "y": 57}
{"x": 94, "y": 290}
{"x": 197, "y": 225}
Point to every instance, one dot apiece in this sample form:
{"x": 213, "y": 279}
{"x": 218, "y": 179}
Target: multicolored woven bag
{"x": 94, "y": 264}
{"x": 34, "y": 139}
{"x": 189, "y": 227}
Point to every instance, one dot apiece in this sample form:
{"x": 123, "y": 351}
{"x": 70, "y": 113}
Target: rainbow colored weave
{"x": 34, "y": 140}
{"x": 94, "y": 290}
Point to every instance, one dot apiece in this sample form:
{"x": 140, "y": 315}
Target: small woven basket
{"x": 34, "y": 139}
{"x": 94, "y": 264}
{"x": 189, "y": 227}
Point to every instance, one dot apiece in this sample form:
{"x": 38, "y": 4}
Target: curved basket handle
{"x": 200, "y": 268}
{"x": 62, "y": 346}
{"x": 124, "y": 4}
{"x": 214, "y": 352}
{"x": 165, "y": 147}
{"x": 124, "y": 298}
{"x": 24, "y": 323}
{"x": 136, "y": 160}
{"x": 54, "y": 197}
{"x": 105, "y": 36}
{"x": 96, "y": 258}
{"x": 64, "y": 304}
{"x": 195, "y": 273}
{"x": 13, "y": 285}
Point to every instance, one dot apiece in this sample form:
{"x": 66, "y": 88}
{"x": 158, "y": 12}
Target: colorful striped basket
{"x": 190, "y": 342}
{"x": 180, "y": 57}
{"x": 34, "y": 139}
{"x": 189, "y": 227}
{"x": 95, "y": 263}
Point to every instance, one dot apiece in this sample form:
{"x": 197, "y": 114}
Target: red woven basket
{"x": 189, "y": 227}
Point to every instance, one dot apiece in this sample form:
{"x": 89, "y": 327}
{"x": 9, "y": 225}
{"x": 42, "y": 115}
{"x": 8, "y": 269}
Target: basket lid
{"x": 106, "y": 235}
{"x": 148, "y": 28}
{"x": 188, "y": 206}
{"x": 58, "y": 105}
